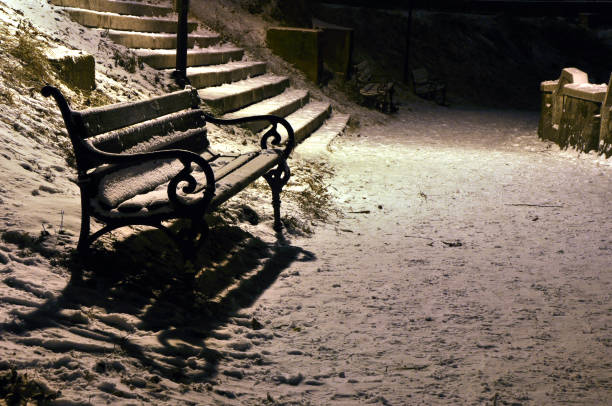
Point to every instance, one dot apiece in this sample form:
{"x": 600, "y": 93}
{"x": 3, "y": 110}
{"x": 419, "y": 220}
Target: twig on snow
{"x": 417, "y": 236}
{"x": 532, "y": 205}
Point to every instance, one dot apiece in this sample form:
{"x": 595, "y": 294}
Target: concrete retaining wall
{"x": 298, "y": 46}
{"x": 336, "y": 44}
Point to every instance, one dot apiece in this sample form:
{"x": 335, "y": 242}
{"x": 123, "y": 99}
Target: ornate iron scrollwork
{"x": 271, "y": 133}
{"x": 277, "y": 178}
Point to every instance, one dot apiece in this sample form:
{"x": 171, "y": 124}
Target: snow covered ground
{"x": 468, "y": 263}
{"x": 471, "y": 266}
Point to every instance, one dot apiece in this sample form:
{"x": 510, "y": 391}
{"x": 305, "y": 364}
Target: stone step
{"x": 234, "y": 96}
{"x": 152, "y": 40}
{"x": 282, "y": 105}
{"x": 306, "y": 120}
{"x": 317, "y": 145}
{"x": 97, "y": 19}
{"x": 117, "y": 7}
{"x": 215, "y": 75}
{"x": 166, "y": 58}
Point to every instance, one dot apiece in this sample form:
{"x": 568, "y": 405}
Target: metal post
{"x": 180, "y": 74}
{"x": 407, "y": 73}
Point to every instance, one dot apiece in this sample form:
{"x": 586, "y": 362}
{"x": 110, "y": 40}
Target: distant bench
{"x": 379, "y": 95}
{"x": 146, "y": 162}
{"x": 428, "y": 88}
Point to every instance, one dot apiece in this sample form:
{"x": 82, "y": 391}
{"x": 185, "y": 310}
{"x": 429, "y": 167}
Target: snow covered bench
{"x": 146, "y": 162}
{"x": 379, "y": 95}
{"x": 427, "y": 88}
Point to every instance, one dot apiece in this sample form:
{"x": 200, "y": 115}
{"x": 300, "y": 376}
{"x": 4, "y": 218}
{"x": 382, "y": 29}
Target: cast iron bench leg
{"x": 277, "y": 178}
{"x": 83, "y": 244}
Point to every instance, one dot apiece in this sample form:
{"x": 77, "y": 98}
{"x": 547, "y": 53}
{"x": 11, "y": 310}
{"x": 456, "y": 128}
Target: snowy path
{"x": 450, "y": 291}
{"x": 472, "y": 266}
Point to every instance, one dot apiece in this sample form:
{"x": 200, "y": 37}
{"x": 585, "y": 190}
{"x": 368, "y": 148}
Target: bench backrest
{"x": 169, "y": 121}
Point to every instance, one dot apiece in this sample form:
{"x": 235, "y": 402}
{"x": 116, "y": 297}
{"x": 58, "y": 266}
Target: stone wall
{"x": 576, "y": 113}
{"x": 298, "y": 46}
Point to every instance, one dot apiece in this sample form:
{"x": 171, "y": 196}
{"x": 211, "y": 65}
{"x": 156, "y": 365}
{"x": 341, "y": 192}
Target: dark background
{"x": 489, "y": 53}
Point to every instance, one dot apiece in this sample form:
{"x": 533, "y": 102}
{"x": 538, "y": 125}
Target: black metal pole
{"x": 180, "y": 74}
{"x": 407, "y": 74}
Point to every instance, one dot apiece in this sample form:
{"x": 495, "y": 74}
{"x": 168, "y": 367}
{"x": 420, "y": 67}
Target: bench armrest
{"x": 271, "y": 133}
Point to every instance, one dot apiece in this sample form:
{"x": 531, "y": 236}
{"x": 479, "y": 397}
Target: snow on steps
{"x": 96, "y": 19}
{"x": 150, "y": 40}
{"x": 317, "y": 144}
{"x": 282, "y": 105}
{"x": 233, "y": 96}
{"x": 216, "y": 75}
{"x": 117, "y": 7}
{"x": 228, "y": 86}
{"x": 166, "y": 58}
{"x": 306, "y": 120}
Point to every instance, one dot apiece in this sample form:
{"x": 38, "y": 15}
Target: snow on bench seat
{"x": 143, "y": 190}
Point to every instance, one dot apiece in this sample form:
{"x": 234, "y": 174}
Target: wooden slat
{"x": 112, "y": 117}
{"x": 242, "y": 171}
{"x": 191, "y": 140}
{"x": 240, "y": 178}
{"x": 222, "y": 166}
{"x": 122, "y": 140}
{"x": 231, "y": 166}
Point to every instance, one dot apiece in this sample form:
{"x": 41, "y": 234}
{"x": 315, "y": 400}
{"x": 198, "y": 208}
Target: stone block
{"x": 298, "y": 46}
{"x": 605, "y": 129}
{"x": 580, "y": 124}
{"x": 76, "y": 68}
{"x": 545, "y": 129}
{"x": 568, "y": 75}
{"x": 586, "y": 91}
{"x": 548, "y": 86}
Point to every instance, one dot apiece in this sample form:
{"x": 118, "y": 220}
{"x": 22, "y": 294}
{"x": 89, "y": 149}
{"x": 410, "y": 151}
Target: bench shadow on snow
{"x": 144, "y": 277}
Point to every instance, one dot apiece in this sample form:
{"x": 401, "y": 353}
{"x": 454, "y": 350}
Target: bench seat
{"x": 142, "y": 190}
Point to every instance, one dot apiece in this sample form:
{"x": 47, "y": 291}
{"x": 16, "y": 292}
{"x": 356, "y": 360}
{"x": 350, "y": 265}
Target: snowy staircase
{"x": 231, "y": 85}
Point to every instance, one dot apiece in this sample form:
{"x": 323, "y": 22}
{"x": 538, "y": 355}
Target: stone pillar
{"x": 576, "y": 113}
{"x": 568, "y": 75}
{"x": 545, "y": 130}
{"x": 580, "y": 122}
{"x": 605, "y": 129}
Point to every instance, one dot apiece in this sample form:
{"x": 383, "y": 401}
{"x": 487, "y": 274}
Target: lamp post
{"x": 407, "y": 50}
{"x": 180, "y": 74}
